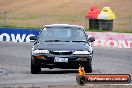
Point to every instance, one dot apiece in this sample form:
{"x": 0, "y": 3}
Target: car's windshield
{"x": 62, "y": 34}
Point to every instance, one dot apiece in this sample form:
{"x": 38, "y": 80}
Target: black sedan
{"x": 61, "y": 46}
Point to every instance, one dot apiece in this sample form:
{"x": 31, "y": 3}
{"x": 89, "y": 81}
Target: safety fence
{"x": 8, "y": 19}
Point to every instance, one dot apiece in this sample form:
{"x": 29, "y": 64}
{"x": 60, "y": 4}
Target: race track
{"x": 15, "y": 65}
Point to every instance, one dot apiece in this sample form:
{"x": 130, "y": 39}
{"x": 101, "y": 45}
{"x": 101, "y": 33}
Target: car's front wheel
{"x": 88, "y": 69}
{"x": 35, "y": 68}
{"x": 88, "y": 66}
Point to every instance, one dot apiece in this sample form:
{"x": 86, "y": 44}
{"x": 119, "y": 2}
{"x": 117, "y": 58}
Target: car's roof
{"x": 63, "y": 25}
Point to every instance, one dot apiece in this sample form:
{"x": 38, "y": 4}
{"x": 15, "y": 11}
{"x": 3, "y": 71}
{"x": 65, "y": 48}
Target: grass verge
{"x": 114, "y": 30}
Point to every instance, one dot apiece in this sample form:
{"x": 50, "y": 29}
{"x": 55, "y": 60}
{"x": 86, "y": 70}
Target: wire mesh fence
{"x": 8, "y": 19}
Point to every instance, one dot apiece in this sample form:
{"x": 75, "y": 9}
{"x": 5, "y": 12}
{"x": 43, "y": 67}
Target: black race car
{"x": 61, "y": 46}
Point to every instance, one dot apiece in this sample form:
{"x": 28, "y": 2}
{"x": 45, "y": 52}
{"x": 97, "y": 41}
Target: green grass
{"x": 14, "y": 26}
{"x": 37, "y": 21}
{"x": 123, "y": 31}
{"x": 24, "y": 17}
{"x": 91, "y": 30}
{"x": 95, "y": 30}
{"x": 118, "y": 31}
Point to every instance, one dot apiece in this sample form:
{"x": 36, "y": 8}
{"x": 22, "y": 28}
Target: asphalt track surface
{"x": 15, "y": 66}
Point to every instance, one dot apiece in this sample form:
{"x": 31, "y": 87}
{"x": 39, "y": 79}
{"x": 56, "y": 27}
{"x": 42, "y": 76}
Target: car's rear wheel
{"x": 35, "y": 68}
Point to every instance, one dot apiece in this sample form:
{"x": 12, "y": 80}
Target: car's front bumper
{"x": 73, "y": 61}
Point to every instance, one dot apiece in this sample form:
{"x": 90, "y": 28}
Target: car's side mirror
{"x": 32, "y": 38}
{"x": 91, "y": 39}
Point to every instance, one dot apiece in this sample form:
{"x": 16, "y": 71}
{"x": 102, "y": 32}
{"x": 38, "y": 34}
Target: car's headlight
{"x": 41, "y": 51}
{"x": 81, "y": 52}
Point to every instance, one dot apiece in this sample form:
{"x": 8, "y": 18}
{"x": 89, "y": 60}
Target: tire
{"x": 35, "y": 69}
{"x": 88, "y": 69}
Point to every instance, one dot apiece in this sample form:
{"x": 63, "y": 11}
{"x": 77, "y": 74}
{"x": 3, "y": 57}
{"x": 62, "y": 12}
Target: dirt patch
{"x": 63, "y": 7}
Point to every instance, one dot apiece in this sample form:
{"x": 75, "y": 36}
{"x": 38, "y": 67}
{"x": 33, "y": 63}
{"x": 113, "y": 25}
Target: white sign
{"x": 15, "y": 38}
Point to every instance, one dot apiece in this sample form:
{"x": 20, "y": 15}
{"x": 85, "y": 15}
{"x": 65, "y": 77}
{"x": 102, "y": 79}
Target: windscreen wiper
{"x": 56, "y": 41}
{"x": 79, "y": 41}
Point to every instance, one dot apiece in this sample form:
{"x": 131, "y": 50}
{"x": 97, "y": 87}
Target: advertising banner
{"x": 109, "y": 39}
{"x": 17, "y": 34}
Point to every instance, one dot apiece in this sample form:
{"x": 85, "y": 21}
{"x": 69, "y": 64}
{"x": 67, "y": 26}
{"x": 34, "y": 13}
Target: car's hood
{"x": 70, "y": 46}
